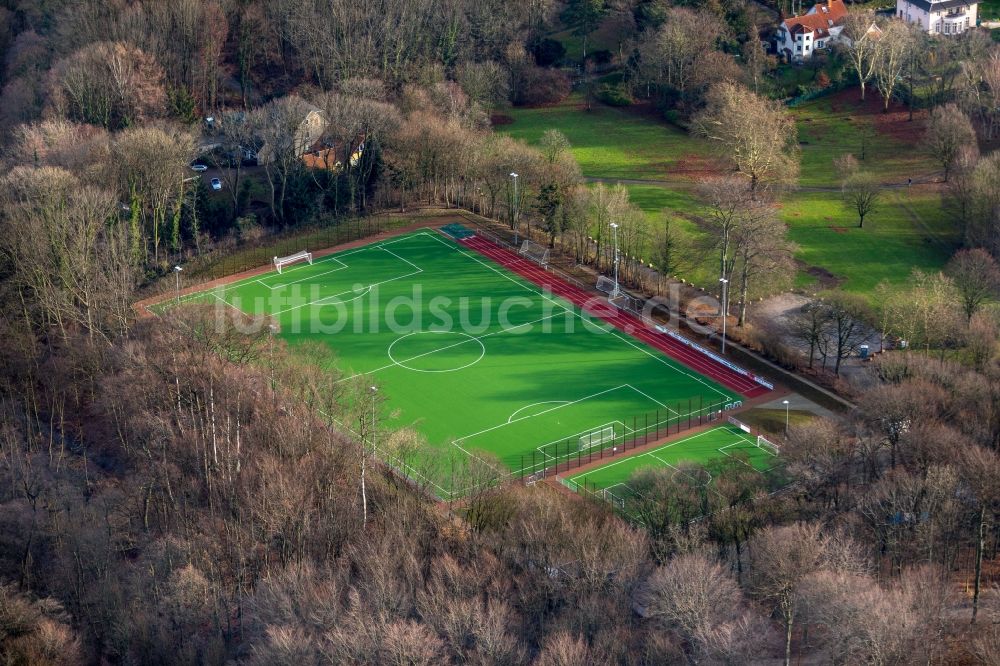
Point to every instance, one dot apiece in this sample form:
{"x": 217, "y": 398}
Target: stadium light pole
{"x": 372, "y": 390}
{"x": 177, "y": 274}
{"x": 513, "y": 207}
{"x": 785, "y": 403}
{"x": 724, "y": 311}
{"x": 614, "y": 230}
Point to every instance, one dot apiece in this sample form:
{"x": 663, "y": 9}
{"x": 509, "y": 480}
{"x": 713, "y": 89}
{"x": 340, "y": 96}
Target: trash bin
{"x": 863, "y": 351}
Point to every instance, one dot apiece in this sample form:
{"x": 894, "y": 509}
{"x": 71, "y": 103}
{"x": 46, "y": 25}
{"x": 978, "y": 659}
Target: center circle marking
{"x": 409, "y": 363}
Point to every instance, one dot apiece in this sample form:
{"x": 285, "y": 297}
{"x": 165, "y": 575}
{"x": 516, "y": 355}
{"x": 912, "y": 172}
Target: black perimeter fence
{"x": 636, "y": 431}
{"x": 248, "y": 255}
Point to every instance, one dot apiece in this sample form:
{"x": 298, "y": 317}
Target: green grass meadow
{"x": 909, "y": 229}
{"x": 478, "y": 361}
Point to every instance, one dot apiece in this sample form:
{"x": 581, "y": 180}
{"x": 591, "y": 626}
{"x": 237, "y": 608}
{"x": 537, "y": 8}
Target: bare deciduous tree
{"x": 976, "y": 276}
{"x": 895, "y": 43}
{"x": 861, "y": 194}
{"x": 757, "y": 135}
{"x": 780, "y": 560}
{"x": 692, "y": 595}
{"x": 864, "y": 50}
{"x": 948, "y": 133}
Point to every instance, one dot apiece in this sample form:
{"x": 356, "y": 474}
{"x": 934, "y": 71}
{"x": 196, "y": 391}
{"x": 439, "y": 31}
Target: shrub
{"x": 543, "y": 86}
{"x": 602, "y": 57}
{"x": 614, "y": 95}
{"x": 548, "y": 52}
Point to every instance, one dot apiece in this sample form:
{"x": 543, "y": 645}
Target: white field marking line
{"x": 473, "y": 455}
{"x": 722, "y": 450}
{"x": 384, "y": 457}
{"x": 222, "y": 289}
{"x": 659, "y": 448}
{"x": 367, "y": 289}
{"x": 582, "y": 434}
{"x": 649, "y": 397}
{"x": 678, "y": 470}
{"x": 306, "y": 279}
{"x": 468, "y": 338}
{"x": 676, "y": 367}
{"x": 534, "y": 404}
{"x": 544, "y": 411}
{"x": 445, "y": 348}
{"x": 231, "y": 305}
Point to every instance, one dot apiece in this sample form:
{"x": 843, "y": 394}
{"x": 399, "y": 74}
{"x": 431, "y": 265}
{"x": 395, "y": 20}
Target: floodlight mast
{"x": 724, "y": 309}
{"x": 514, "y": 207}
{"x": 177, "y": 274}
{"x": 364, "y": 455}
{"x": 785, "y": 403}
{"x": 614, "y": 229}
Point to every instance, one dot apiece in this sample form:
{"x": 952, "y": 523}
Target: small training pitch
{"x": 483, "y": 362}
{"x": 612, "y": 478}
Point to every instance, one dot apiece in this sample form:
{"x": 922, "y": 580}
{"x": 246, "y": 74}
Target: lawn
{"x": 906, "y": 231}
{"x": 890, "y": 144}
{"x": 909, "y": 230}
{"x": 611, "y": 142}
{"x": 702, "y": 448}
{"x": 474, "y": 358}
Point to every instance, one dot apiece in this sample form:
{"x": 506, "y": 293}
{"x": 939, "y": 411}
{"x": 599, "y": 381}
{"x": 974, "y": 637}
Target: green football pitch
{"x": 704, "y": 447}
{"x": 471, "y": 356}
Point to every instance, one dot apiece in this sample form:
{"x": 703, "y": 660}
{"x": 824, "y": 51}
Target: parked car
{"x": 216, "y": 184}
{"x": 200, "y": 168}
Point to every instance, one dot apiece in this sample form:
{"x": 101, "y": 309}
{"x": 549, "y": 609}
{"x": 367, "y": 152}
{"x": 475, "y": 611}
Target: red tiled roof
{"x": 825, "y": 16}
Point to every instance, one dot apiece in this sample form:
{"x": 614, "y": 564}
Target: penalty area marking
{"x": 469, "y": 338}
{"x": 510, "y": 418}
{"x": 308, "y": 278}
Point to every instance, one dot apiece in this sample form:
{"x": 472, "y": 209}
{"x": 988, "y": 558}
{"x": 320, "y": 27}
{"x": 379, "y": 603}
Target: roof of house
{"x": 820, "y": 19}
{"x": 938, "y": 5}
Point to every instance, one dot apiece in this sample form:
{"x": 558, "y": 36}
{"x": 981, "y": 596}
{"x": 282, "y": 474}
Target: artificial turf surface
{"x": 700, "y": 448}
{"x": 468, "y": 354}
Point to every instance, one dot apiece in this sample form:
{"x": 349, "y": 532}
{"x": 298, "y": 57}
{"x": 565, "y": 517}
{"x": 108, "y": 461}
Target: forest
{"x": 179, "y": 490}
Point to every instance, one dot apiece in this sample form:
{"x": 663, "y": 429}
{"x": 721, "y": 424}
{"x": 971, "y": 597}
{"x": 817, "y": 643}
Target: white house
{"x": 798, "y": 37}
{"x": 939, "y": 17}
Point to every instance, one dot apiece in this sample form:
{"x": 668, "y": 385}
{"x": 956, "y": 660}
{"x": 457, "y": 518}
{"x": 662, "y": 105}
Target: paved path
{"x": 919, "y": 180}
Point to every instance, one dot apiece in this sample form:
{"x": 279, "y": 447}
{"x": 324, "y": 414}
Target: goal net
{"x": 607, "y": 286}
{"x": 625, "y": 302}
{"x": 537, "y": 253}
{"x": 281, "y": 262}
{"x": 767, "y": 445}
{"x": 613, "y": 499}
{"x": 597, "y": 438}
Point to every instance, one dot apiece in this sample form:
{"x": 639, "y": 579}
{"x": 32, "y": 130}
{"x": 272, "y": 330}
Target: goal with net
{"x": 767, "y": 445}
{"x": 607, "y": 286}
{"x": 625, "y": 302}
{"x": 281, "y": 262}
{"x": 537, "y": 253}
{"x": 597, "y": 437}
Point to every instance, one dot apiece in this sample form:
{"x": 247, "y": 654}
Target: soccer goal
{"x": 767, "y": 445}
{"x": 597, "y": 438}
{"x": 280, "y": 262}
{"x": 607, "y": 286}
{"x": 625, "y": 302}
{"x": 537, "y": 253}
{"x": 613, "y": 499}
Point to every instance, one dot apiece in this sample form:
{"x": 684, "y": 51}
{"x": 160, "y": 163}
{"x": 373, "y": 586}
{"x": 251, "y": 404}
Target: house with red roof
{"x": 799, "y": 37}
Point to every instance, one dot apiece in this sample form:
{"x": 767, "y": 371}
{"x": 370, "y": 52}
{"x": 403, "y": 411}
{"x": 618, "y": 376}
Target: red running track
{"x": 623, "y": 321}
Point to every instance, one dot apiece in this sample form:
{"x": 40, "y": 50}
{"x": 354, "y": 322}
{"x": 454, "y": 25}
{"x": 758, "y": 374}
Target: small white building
{"x": 939, "y": 17}
{"x": 798, "y": 37}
